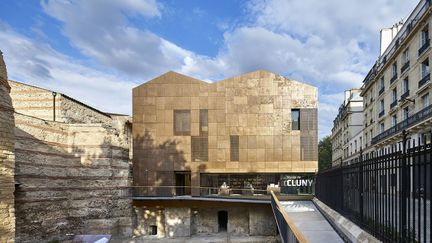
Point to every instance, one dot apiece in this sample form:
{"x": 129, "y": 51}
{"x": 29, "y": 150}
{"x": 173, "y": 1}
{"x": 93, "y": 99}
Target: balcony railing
{"x": 424, "y": 80}
{"x": 424, "y": 47}
{"x": 393, "y": 78}
{"x": 405, "y": 67}
{"x": 418, "y": 117}
{"x": 405, "y": 95}
{"x": 393, "y": 104}
{"x": 381, "y": 91}
{"x": 381, "y": 113}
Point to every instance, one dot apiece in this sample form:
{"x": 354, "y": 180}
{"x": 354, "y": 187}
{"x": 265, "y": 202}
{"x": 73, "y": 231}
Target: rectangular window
{"x": 426, "y": 138}
{"x": 381, "y": 83}
{"x": 425, "y": 100}
{"x": 203, "y": 122}
{"x": 382, "y": 127}
{"x": 424, "y": 36}
{"x": 425, "y": 68}
{"x": 405, "y": 56}
{"x": 382, "y": 105}
{"x": 405, "y": 85}
{"x": 394, "y": 120}
{"x": 405, "y": 113}
{"x": 394, "y": 69}
{"x": 182, "y": 122}
{"x": 234, "y": 148}
{"x": 199, "y": 148}
{"x": 295, "y": 119}
{"x": 394, "y": 95}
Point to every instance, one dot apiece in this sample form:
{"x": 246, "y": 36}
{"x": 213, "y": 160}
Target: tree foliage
{"x": 324, "y": 153}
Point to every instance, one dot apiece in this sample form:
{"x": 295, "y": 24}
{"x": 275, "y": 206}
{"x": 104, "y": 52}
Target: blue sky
{"x": 96, "y": 51}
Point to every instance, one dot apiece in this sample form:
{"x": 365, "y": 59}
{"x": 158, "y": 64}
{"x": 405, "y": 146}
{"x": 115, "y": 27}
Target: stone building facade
{"x": 7, "y": 160}
{"x": 72, "y": 174}
{"x": 347, "y": 131}
{"x": 397, "y": 90}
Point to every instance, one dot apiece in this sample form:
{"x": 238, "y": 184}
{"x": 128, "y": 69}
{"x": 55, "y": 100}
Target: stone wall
{"x": 175, "y": 222}
{"x": 7, "y": 162}
{"x": 39, "y": 102}
{"x": 71, "y": 180}
{"x": 72, "y": 173}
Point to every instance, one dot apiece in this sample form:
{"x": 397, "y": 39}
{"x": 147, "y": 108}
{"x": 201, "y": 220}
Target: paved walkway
{"x": 311, "y": 222}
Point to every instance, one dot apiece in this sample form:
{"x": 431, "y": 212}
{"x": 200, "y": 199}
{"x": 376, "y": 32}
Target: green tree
{"x": 324, "y": 153}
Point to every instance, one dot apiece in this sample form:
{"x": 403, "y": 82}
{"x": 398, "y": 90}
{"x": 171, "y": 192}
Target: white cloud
{"x": 37, "y": 63}
{"x": 331, "y": 44}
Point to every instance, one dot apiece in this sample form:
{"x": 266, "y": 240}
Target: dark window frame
{"x": 297, "y": 128}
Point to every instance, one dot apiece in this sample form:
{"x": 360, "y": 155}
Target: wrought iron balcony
{"x": 393, "y": 104}
{"x": 424, "y": 80}
{"x": 405, "y": 67}
{"x": 424, "y": 47}
{"x": 381, "y": 91}
{"x": 381, "y": 113}
{"x": 405, "y": 95}
{"x": 393, "y": 78}
{"x": 416, "y": 118}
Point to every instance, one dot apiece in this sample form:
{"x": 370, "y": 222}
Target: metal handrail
{"x": 287, "y": 229}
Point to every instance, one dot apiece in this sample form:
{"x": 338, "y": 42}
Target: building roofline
{"x": 257, "y": 74}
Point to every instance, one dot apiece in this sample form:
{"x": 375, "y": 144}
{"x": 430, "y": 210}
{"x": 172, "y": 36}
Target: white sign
{"x": 297, "y": 182}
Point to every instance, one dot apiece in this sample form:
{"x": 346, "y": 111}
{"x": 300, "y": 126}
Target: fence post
{"x": 404, "y": 188}
{"x": 361, "y": 185}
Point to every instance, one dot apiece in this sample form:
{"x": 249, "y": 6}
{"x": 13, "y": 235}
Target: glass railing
{"x": 138, "y": 192}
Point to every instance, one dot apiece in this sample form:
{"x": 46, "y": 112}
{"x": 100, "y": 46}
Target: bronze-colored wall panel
{"x": 256, "y": 107}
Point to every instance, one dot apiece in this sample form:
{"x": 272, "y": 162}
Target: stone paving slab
{"x": 310, "y": 222}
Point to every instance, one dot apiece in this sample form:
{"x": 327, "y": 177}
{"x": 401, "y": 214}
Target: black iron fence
{"x": 387, "y": 193}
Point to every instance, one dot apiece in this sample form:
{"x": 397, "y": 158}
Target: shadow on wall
{"x": 155, "y": 165}
{"x": 60, "y": 196}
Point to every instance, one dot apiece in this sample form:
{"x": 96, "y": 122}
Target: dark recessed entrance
{"x": 223, "y": 220}
{"x": 183, "y": 183}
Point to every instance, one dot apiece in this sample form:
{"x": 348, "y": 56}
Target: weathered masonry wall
{"x": 174, "y": 222}
{"x": 7, "y": 162}
{"x": 71, "y": 179}
{"x": 39, "y": 102}
{"x": 72, "y": 174}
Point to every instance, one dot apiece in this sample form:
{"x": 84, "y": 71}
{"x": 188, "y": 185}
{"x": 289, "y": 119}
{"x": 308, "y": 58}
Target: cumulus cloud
{"x": 331, "y": 44}
{"x": 37, "y": 63}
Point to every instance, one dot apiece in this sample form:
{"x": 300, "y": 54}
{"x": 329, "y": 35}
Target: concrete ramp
{"x": 310, "y": 222}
